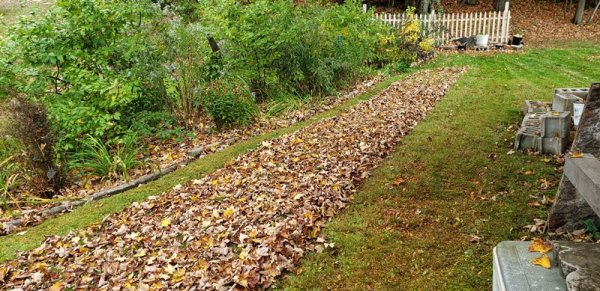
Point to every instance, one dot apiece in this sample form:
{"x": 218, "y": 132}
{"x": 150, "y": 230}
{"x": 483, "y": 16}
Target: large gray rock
{"x": 579, "y": 263}
{"x": 570, "y": 208}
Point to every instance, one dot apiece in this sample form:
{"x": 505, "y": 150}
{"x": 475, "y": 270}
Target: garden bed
{"x": 165, "y": 154}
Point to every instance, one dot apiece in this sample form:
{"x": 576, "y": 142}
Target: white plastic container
{"x": 577, "y": 111}
{"x": 482, "y": 40}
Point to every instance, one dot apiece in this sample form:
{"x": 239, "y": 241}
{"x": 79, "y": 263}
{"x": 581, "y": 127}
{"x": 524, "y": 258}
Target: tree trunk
{"x": 500, "y": 5}
{"x": 578, "y": 19}
{"x": 424, "y": 6}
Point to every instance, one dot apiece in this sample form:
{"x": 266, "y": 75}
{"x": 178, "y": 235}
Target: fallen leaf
{"x": 539, "y": 245}
{"x": 399, "y": 181}
{"x": 228, "y": 212}
{"x": 543, "y": 261}
{"x": 165, "y": 222}
{"x": 57, "y": 286}
{"x": 576, "y": 154}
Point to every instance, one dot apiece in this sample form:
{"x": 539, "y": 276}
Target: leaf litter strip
{"x": 246, "y": 223}
{"x": 213, "y": 144}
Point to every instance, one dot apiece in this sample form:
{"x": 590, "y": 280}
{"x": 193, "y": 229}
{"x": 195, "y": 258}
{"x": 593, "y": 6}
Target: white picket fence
{"x": 446, "y": 27}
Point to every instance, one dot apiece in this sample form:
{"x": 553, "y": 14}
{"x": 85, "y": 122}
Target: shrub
{"x": 414, "y": 44}
{"x": 187, "y": 54}
{"x": 88, "y": 61}
{"x": 229, "y": 102}
{"x": 30, "y": 126}
{"x": 303, "y": 49}
{"x": 159, "y": 124}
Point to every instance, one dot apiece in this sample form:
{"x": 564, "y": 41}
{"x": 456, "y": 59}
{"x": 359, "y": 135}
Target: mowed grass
{"x": 11, "y": 10}
{"x": 410, "y": 225}
{"x": 95, "y": 211}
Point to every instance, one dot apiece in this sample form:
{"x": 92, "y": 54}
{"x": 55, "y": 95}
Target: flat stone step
{"x": 513, "y": 269}
{"x": 584, "y": 174}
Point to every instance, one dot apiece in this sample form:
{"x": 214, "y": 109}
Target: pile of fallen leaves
{"x": 538, "y": 21}
{"x": 246, "y": 223}
{"x": 165, "y": 153}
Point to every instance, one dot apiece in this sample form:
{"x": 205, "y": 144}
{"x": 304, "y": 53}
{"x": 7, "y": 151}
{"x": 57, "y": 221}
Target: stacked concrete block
{"x": 556, "y": 124}
{"x": 579, "y": 92}
{"x": 531, "y": 106}
{"x": 564, "y": 102}
{"x": 546, "y": 128}
{"x": 528, "y": 138}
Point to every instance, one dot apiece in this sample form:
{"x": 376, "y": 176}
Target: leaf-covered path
{"x": 246, "y": 223}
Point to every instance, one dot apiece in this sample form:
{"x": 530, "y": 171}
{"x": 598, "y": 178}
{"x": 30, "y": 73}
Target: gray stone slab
{"x": 513, "y": 269}
{"x": 584, "y": 174}
{"x": 579, "y": 264}
{"x": 556, "y": 124}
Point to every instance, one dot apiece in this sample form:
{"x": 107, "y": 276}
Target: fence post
{"x": 505, "y": 20}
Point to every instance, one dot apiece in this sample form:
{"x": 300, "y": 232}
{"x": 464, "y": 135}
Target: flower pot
{"x": 481, "y": 40}
{"x": 517, "y": 39}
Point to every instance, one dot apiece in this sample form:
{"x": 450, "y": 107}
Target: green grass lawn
{"x": 457, "y": 180}
{"x": 11, "y": 10}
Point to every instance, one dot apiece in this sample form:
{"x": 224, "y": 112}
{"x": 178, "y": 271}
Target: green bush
{"x": 88, "y": 62}
{"x": 302, "y": 49}
{"x": 187, "y": 53}
{"x": 159, "y": 124}
{"x": 229, "y": 102}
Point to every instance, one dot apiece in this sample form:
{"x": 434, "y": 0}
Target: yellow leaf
{"x": 228, "y": 212}
{"x": 214, "y": 182}
{"x": 253, "y": 233}
{"x": 170, "y": 269}
{"x": 57, "y": 286}
{"x": 528, "y": 172}
{"x": 315, "y": 231}
{"x": 178, "y": 275}
{"x": 576, "y": 154}
{"x": 543, "y": 261}
{"x": 165, "y": 222}
{"x": 243, "y": 255}
{"x": 201, "y": 264}
{"x": 140, "y": 253}
{"x": 539, "y": 245}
